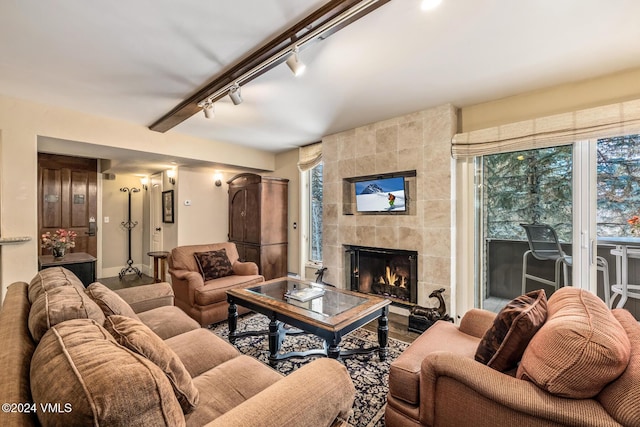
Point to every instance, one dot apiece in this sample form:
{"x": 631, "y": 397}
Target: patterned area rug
{"x": 369, "y": 375}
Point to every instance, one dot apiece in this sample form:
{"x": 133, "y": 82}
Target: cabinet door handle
{"x": 242, "y": 213}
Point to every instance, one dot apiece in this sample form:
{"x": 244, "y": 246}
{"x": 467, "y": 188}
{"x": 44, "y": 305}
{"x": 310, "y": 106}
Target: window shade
{"x": 309, "y": 156}
{"x": 560, "y": 129}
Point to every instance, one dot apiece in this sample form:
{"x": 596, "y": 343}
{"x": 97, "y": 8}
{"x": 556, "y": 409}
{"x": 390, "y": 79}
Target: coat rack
{"x": 129, "y": 225}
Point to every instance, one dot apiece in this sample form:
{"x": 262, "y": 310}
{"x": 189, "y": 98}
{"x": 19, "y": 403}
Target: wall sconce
{"x": 144, "y": 181}
{"x": 171, "y": 175}
{"x": 217, "y": 178}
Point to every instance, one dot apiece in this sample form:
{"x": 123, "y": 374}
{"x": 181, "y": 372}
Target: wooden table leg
{"x": 163, "y": 268}
{"x": 155, "y": 270}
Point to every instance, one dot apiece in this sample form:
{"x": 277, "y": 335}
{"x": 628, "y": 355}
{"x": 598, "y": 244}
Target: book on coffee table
{"x": 304, "y": 294}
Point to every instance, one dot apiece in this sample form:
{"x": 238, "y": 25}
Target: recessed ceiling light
{"x": 430, "y": 4}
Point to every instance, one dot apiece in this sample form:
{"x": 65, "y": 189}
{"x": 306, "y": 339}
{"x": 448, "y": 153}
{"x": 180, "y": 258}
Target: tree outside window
{"x": 618, "y": 184}
{"x": 315, "y": 213}
{"x": 535, "y": 186}
{"x": 528, "y": 187}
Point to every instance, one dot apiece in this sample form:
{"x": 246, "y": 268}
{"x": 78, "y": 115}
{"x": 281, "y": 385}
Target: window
{"x": 543, "y": 186}
{"x": 315, "y": 214}
{"x": 618, "y": 184}
{"x": 528, "y": 187}
{"x": 533, "y": 186}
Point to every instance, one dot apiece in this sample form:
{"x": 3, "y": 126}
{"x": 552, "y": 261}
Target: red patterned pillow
{"x": 503, "y": 344}
{"x": 213, "y": 264}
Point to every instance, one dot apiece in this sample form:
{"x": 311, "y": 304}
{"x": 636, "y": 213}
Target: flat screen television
{"x": 381, "y": 195}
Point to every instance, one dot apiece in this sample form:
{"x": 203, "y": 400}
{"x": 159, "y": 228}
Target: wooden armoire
{"x": 258, "y": 221}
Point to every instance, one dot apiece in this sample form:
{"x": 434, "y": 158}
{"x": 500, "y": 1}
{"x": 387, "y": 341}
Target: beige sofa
{"x": 206, "y": 301}
{"x": 70, "y": 356}
{"x": 581, "y": 368}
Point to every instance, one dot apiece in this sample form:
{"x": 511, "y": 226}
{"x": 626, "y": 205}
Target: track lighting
{"x": 234, "y": 94}
{"x": 319, "y": 25}
{"x": 288, "y": 54}
{"x": 209, "y": 111}
{"x": 295, "y": 64}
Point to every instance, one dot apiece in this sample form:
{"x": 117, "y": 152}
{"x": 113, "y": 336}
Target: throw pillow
{"x": 213, "y": 264}
{"x": 97, "y": 381}
{"x": 58, "y": 305}
{"x": 580, "y": 349}
{"x": 137, "y": 337}
{"x": 109, "y": 301}
{"x": 50, "y": 278}
{"x": 502, "y": 346}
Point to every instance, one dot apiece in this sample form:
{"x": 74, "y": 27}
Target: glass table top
{"x": 310, "y": 296}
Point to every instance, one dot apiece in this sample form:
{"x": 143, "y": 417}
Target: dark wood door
{"x": 67, "y": 198}
{"x": 237, "y": 207}
{"x": 244, "y": 214}
{"x": 252, "y": 224}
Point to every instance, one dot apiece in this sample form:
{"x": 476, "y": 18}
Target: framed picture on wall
{"x": 167, "y": 206}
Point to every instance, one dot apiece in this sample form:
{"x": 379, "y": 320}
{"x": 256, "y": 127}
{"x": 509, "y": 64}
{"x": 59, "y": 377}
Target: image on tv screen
{"x": 381, "y": 195}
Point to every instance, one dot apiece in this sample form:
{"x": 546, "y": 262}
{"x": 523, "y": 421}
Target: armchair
{"x": 206, "y": 301}
{"x": 438, "y": 382}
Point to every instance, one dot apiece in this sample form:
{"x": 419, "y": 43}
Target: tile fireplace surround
{"x": 419, "y": 141}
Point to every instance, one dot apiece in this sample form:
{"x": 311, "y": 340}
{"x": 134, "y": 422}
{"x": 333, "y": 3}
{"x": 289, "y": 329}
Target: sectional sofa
{"x": 75, "y": 356}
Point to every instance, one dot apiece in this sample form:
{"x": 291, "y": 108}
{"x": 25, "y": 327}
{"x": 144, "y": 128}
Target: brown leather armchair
{"x": 206, "y": 301}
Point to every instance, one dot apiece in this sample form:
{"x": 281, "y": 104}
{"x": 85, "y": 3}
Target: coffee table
{"x": 330, "y": 315}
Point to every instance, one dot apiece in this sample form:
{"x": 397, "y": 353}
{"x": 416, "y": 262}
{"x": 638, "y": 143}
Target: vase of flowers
{"x": 59, "y": 241}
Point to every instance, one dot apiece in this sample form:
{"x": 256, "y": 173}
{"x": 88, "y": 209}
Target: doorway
{"x": 67, "y": 198}
{"x": 587, "y": 191}
{"x": 155, "y": 213}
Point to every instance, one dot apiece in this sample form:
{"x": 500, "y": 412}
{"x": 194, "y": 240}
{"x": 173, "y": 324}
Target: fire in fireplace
{"x": 391, "y": 273}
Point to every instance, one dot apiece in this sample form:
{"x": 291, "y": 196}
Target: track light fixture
{"x": 287, "y": 53}
{"x": 234, "y": 94}
{"x": 295, "y": 64}
{"x": 209, "y": 111}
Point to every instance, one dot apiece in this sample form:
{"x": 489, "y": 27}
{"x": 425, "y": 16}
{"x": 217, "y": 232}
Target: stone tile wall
{"x": 418, "y": 141}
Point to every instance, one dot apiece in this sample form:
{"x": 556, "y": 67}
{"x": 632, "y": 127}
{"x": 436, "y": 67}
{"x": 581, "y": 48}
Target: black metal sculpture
{"x": 129, "y": 225}
{"x": 421, "y": 318}
{"x": 320, "y": 276}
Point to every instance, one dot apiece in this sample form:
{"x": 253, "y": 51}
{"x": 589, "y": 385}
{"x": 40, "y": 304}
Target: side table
{"x": 161, "y": 256}
{"x": 81, "y": 264}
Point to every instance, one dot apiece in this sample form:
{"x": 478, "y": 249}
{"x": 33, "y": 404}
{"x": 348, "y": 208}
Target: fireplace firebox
{"x": 391, "y": 273}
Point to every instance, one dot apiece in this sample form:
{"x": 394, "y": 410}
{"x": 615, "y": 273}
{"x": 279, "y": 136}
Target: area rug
{"x": 370, "y": 376}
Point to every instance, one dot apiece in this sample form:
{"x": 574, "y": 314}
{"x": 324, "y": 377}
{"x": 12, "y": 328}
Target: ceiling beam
{"x": 253, "y": 59}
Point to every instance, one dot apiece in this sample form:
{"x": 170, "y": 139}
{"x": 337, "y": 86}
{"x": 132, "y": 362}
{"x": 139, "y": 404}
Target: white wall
{"x": 287, "y": 167}
{"x": 206, "y": 218}
{"x": 21, "y": 122}
{"x": 114, "y": 235}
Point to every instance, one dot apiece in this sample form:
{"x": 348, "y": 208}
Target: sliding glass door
{"x": 586, "y": 191}
{"x": 533, "y": 186}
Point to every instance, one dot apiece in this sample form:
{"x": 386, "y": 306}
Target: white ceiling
{"x": 136, "y": 60}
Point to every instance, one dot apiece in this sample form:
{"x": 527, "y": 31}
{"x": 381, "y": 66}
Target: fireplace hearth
{"x": 391, "y": 273}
